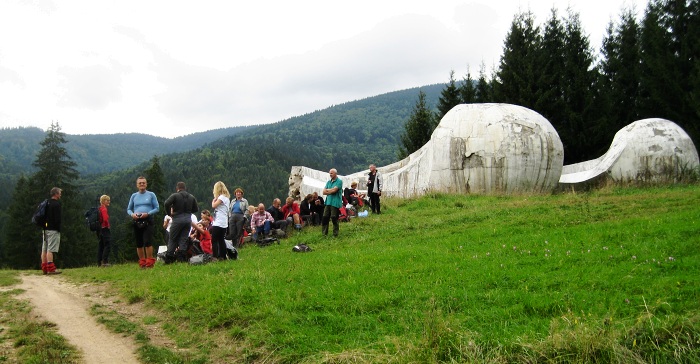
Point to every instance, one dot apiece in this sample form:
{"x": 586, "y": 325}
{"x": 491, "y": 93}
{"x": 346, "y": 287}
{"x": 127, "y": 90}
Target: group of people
{"x": 229, "y": 218}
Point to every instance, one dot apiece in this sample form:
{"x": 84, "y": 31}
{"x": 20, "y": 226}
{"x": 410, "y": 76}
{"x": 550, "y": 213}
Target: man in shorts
{"x": 51, "y": 233}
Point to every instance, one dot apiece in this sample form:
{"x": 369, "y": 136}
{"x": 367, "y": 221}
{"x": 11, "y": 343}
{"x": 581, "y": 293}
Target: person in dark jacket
{"x": 182, "y": 205}
{"x": 276, "y": 211}
{"x": 51, "y": 233}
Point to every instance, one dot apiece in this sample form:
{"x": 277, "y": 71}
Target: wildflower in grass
{"x": 634, "y": 257}
{"x": 671, "y": 259}
{"x": 488, "y": 254}
{"x": 515, "y": 248}
{"x": 605, "y": 248}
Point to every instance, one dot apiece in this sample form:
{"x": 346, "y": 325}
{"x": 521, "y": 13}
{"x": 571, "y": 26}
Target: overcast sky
{"x": 170, "y": 68}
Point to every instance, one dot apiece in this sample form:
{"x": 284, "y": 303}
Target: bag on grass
{"x": 200, "y": 259}
{"x": 301, "y": 248}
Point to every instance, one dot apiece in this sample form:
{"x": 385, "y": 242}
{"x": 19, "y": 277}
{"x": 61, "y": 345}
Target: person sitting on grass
{"x": 276, "y": 211}
{"x": 354, "y": 198}
{"x": 201, "y": 233}
{"x": 292, "y": 213}
{"x": 307, "y": 214}
{"x": 261, "y": 222}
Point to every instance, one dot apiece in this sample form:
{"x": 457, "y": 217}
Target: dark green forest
{"x": 644, "y": 68}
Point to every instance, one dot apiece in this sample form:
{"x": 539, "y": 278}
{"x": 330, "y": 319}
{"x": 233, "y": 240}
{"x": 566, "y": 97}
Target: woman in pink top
{"x": 104, "y": 234}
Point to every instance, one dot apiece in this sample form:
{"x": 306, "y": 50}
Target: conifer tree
{"x": 156, "y": 184}
{"x": 580, "y": 94}
{"x": 550, "y": 90}
{"x": 467, "y": 91}
{"x": 484, "y": 88}
{"x": 516, "y": 79}
{"x": 418, "y": 128}
{"x": 670, "y": 63}
{"x": 449, "y": 97}
{"x": 22, "y": 241}
{"x": 620, "y": 75}
{"x": 55, "y": 169}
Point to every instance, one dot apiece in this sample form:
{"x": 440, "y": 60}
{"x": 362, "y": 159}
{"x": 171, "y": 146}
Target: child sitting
{"x": 203, "y": 235}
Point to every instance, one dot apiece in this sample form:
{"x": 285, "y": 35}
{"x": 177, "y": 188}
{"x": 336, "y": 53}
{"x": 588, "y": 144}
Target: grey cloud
{"x": 92, "y": 87}
{"x": 10, "y": 76}
{"x": 402, "y": 52}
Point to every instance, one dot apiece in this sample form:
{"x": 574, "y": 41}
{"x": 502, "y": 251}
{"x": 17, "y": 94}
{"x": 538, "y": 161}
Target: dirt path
{"x": 67, "y": 306}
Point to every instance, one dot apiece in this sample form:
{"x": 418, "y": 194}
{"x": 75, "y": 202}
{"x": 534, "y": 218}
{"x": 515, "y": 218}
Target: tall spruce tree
{"x": 54, "y": 169}
{"x": 516, "y": 79}
{"x": 550, "y": 89}
{"x": 580, "y": 94}
{"x": 156, "y": 184}
{"x": 418, "y": 129}
{"x": 467, "y": 91}
{"x": 620, "y": 74}
{"x": 22, "y": 240}
{"x": 449, "y": 97}
{"x": 670, "y": 63}
{"x": 484, "y": 88}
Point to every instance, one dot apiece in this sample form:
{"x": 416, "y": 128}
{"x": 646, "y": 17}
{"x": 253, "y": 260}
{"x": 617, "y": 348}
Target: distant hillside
{"x": 99, "y": 153}
{"x": 348, "y": 137}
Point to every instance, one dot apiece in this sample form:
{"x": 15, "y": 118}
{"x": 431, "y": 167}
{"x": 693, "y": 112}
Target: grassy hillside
{"x": 605, "y": 276}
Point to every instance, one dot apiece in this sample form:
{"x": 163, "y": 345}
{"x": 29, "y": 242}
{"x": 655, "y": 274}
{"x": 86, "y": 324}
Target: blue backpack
{"x": 39, "y": 217}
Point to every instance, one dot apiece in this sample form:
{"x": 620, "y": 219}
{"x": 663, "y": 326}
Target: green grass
{"x": 609, "y": 275}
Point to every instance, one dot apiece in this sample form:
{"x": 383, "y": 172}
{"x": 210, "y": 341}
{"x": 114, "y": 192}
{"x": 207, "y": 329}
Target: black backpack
{"x": 39, "y": 217}
{"x": 92, "y": 219}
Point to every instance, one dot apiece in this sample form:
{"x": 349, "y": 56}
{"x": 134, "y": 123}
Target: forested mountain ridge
{"x": 98, "y": 153}
{"x": 348, "y": 137}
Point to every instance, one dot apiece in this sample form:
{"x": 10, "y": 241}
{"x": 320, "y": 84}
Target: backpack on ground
{"x": 39, "y": 217}
{"x": 301, "y": 248}
{"x": 92, "y": 219}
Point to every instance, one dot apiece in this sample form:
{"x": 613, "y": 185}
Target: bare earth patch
{"x": 68, "y": 306}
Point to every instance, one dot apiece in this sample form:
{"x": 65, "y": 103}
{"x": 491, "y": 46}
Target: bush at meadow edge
{"x": 604, "y": 275}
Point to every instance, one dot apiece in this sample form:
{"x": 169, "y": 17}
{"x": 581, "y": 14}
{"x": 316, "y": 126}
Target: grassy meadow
{"x": 611, "y": 275}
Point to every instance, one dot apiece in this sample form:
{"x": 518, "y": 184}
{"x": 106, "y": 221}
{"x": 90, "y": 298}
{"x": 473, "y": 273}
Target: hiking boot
{"x": 43, "y": 268}
{"x": 142, "y": 263}
{"x": 150, "y": 262}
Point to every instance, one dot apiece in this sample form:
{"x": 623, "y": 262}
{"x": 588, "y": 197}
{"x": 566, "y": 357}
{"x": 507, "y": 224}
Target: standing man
{"x": 51, "y": 233}
{"x": 374, "y": 188}
{"x": 334, "y": 201}
{"x": 182, "y": 205}
{"x": 143, "y": 205}
{"x": 104, "y": 234}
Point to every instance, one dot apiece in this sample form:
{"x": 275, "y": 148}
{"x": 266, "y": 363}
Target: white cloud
{"x": 177, "y": 67}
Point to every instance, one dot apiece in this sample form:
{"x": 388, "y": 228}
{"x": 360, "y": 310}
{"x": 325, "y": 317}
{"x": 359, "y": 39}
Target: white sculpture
{"x": 646, "y": 150}
{"x": 476, "y": 148}
{"x": 487, "y": 148}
